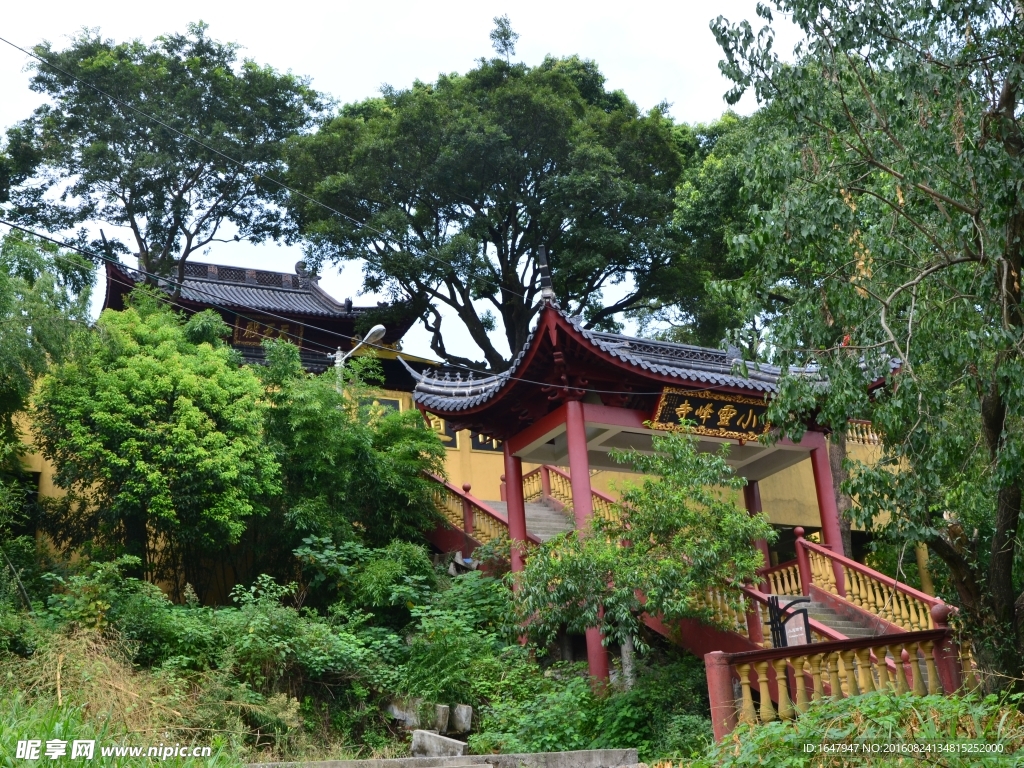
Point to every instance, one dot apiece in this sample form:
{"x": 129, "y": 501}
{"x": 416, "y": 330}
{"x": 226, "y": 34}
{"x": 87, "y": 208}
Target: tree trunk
{"x": 136, "y": 538}
{"x": 626, "y": 652}
{"x": 836, "y": 457}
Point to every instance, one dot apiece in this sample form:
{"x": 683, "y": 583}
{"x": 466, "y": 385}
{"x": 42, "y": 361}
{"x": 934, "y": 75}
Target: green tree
{"x": 84, "y": 156}
{"x": 677, "y": 535}
{"x": 44, "y": 304}
{"x": 157, "y": 435}
{"x": 447, "y": 190}
{"x": 894, "y": 229}
{"x": 710, "y": 210}
{"x": 351, "y": 471}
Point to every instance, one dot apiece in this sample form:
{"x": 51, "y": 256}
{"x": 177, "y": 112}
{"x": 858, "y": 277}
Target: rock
{"x": 441, "y": 718}
{"x": 408, "y": 711}
{"x": 430, "y": 744}
{"x": 462, "y": 719}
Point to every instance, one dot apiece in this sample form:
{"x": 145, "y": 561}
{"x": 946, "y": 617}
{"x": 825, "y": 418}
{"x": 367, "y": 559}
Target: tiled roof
{"x": 255, "y": 289}
{"x": 698, "y": 365}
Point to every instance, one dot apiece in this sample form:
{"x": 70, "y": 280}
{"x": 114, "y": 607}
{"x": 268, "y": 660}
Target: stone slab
{"x": 430, "y": 744}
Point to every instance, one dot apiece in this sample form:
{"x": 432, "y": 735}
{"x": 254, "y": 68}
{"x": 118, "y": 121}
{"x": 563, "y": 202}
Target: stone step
{"x": 542, "y": 521}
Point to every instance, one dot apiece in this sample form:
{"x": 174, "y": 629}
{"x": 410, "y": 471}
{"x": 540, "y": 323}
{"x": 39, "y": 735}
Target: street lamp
{"x": 375, "y": 334}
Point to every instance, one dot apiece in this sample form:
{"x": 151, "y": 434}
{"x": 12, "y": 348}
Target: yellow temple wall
{"x": 788, "y": 498}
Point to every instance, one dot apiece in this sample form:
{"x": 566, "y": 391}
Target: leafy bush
{"x": 877, "y": 718}
{"x": 664, "y": 715}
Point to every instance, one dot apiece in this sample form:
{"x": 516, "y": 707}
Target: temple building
{"x": 259, "y": 304}
{"x": 573, "y": 395}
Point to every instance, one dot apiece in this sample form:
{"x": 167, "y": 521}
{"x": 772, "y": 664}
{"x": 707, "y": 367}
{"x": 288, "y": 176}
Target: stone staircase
{"x": 830, "y": 618}
{"x": 542, "y": 521}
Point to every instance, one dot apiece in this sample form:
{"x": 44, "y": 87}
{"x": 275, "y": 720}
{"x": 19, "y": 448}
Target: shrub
{"x": 877, "y": 718}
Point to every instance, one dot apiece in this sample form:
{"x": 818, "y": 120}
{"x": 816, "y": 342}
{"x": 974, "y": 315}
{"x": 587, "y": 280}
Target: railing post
{"x": 754, "y": 630}
{"x": 467, "y": 510}
{"x": 803, "y": 562}
{"x": 723, "y": 704}
{"x": 545, "y": 482}
{"x": 501, "y": 489}
{"x": 947, "y": 652}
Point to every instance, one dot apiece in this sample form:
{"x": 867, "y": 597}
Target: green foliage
{"x": 111, "y": 164}
{"x": 389, "y": 581}
{"x": 349, "y": 471}
{"x": 663, "y": 716}
{"x": 710, "y": 210}
{"x": 462, "y": 180}
{"x": 685, "y": 536}
{"x": 879, "y": 719}
{"x": 155, "y": 439}
{"x": 892, "y": 227}
{"x": 44, "y": 303}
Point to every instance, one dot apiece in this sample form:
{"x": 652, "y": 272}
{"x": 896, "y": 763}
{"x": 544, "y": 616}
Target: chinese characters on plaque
{"x": 250, "y": 331}
{"x": 714, "y": 414}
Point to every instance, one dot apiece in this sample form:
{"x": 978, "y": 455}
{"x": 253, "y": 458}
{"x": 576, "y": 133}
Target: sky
{"x": 654, "y": 51}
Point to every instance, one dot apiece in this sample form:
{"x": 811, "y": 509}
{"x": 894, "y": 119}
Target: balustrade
{"x": 869, "y": 590}
{"x": 551, "y": 483}
{"x": 466, "y": 513}
{"x": 783, "y": 579}
{"x": 786, "y": 680}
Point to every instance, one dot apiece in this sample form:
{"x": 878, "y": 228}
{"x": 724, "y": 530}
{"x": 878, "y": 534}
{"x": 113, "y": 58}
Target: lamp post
{"x": 375, "y": 334}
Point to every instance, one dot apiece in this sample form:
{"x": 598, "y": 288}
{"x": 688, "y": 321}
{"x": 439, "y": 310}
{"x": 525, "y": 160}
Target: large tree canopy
{"x": 157, "y": 435}
{"x": 711, "y": 209}
{"x": 84, "y": 156}
{"x": 448, "y": 189}
{"x": 896, "y": 231}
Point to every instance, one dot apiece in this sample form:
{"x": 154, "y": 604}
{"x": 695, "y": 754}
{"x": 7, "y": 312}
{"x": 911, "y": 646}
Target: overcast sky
{"x": 654, "y": 51}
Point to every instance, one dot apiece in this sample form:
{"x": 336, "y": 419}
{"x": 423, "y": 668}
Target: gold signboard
{"x": 715, "y": 414}
{"x": 251, "y": 331}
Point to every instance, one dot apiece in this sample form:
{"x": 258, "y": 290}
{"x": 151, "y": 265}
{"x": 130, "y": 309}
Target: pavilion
{"x": 572, "y": 395}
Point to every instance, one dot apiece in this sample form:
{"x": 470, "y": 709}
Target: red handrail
{"x": 853, "y": 565}
{"x": 478, "y": 504}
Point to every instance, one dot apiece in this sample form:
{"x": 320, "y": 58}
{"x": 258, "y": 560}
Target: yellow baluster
{"x": 782, "y": 685}
{"x": 767, "y": 711}
{"x": 865, "y": 681}
{"x": 849, "y": 674}
{"x": 818, "y": 689}
{"x": 915, "y": 671}
{"x": 899, "y": 656}
{"x": 833, "y": 676}
{"x": 852, "y": 587}
{"x": 929, "y": 661}
{"x": 882, "y": 670}
{"x": 800, "y": 679}
{"x": 747, "y": 712}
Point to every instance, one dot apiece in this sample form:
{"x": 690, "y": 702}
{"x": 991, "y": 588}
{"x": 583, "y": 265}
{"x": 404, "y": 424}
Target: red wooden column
{"x": 827, "y": 508}
{"x": 583, "y": 510}
{"x": 516, "y": 507}
{"x": 752, "y": 501}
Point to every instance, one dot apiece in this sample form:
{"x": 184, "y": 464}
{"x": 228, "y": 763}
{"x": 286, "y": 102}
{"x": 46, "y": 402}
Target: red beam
{"x": 537, "y": 430}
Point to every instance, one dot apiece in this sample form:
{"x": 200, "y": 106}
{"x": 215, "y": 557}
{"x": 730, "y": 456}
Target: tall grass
{"x": 22, "y": 718}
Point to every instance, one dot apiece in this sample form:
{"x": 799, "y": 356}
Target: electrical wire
{"x": 236, "y": 162}
{"x": 487, "y": 374}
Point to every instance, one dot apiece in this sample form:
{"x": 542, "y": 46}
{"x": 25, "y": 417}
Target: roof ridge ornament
{"x": 547, "y": 291}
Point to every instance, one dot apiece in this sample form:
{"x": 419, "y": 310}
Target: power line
{"x": 488, "y": 374}
{"x": 239, "y": 163}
